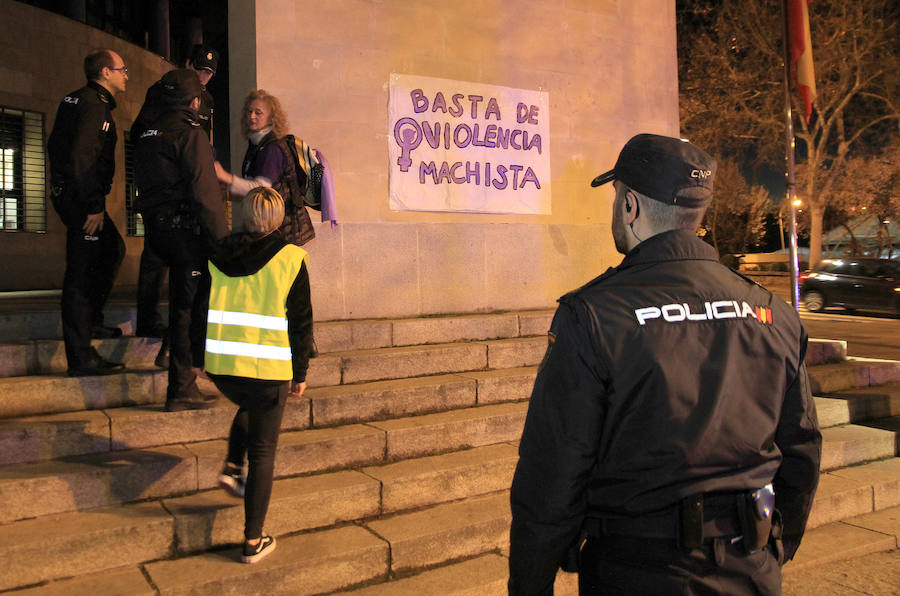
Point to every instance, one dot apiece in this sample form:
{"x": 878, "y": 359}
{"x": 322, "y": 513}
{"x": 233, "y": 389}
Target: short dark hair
{"x": 664, "y": 216}
{"x": 96, "y": 61}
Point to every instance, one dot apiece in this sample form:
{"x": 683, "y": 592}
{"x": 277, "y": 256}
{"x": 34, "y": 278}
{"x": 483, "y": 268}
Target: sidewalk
{"x": 876, "y": 575}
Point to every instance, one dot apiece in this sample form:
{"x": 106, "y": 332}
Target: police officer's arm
{"x": 269, "y": 168}
{"x": 800, "y": 442}
{"x": 300, "y": 324}
{"x": 556, "y": 454}
{"x": 87, "y": 146}
{"x": 197, "y": 161}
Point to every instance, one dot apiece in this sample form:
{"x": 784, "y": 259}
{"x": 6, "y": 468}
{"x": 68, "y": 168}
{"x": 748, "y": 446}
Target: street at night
{"x": 867, "y": 335}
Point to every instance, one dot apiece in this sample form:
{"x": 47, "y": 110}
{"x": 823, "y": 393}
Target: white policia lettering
{"x": 675, "y": 313}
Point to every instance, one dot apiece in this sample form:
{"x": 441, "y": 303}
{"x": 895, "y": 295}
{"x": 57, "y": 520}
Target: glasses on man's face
{"x": 124, "y": 69}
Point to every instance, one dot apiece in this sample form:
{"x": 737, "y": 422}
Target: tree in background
{"x": 871, "y": 190}
{"x": 737, "y": 216}
{"x": 732, "y": 98}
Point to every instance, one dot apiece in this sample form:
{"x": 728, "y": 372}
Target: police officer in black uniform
{"x": 671, "y": 444}
{"x": 183, "y": 217}
{"x": 81, "y": 149}
{"x": 204, "y": 60}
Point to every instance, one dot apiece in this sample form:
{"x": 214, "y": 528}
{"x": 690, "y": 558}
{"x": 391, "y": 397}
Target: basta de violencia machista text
{"x": 409, "y": 134}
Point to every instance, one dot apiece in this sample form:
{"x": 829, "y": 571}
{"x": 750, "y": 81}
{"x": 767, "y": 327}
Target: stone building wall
{"x": 609, "y": 67}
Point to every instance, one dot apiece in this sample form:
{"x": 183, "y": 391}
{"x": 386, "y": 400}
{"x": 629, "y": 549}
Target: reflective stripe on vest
{"x": 246, "y": 327}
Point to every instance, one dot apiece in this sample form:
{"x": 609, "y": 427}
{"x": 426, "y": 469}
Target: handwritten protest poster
{"x": 471, "y": 147}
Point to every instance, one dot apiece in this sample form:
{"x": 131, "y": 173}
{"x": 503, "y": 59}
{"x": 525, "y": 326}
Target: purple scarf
{"x": 329, "y": 202}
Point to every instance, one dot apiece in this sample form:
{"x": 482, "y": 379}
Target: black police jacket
{"x": 82, "y": 147}
{"x": 667, "y": 376}
{"x": 155, "y": 106}
{"x": 173, "y": 170}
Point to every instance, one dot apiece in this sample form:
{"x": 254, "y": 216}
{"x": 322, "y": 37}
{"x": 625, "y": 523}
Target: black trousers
{"x": 619, "y": 565}
{"x": 92, "y": 262}
{"x": 185, "y": 253}
{"x": 151, "y": 275}
{"x": 254, "y": 434}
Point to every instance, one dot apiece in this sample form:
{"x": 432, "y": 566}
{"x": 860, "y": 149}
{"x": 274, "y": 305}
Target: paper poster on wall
{"x": 470, "y": 147}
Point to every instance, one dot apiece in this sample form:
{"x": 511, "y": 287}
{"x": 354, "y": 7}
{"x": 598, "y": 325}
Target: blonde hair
{"x": 262, "y": 210}
{"x": 279, "y": 118}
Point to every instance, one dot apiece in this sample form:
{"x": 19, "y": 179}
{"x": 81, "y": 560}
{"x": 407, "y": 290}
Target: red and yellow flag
{"x": 800, "y": 45}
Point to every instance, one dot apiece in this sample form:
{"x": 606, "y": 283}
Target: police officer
{"x": 203, "y": 60}
{"x": 672, "y": 402}
{"x": 183, "y": 217}
{"x": 81, "y": 149}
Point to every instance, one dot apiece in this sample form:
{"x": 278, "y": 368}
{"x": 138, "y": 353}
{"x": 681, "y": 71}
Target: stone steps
{"x": 395, "y": 464}
{"x": 852, "y": 373}
{"x": 44, "y": 394}
{"x": 453, "y": 548}
{"x": 20, "y": 356}
{"x": 53, "y": 393}
{"x": 161, "y": 528}
{"x": 53, "y": 436}
{"x": 111, "y": 478}
{"x": 22, "y": 323}
{"x": 849, "y": 538}
{"x": 47, "y": 356}
{"x": 852, "y": 444}
{"x": 858, "y": 404}
{"x": 856, "y": 490}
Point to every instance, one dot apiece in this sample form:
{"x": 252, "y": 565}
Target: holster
{"x": 755, "y": 512}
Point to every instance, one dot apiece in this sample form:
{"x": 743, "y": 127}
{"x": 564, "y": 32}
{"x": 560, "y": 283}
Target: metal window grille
{"x": 134, "y": 221}
{"x": 23, "y": 205}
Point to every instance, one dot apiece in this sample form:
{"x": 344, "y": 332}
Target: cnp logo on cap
{"x": 666, "y": 169}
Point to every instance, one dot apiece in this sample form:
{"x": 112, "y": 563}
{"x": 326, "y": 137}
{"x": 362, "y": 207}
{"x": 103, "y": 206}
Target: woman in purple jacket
{"x": 265, "y": 164}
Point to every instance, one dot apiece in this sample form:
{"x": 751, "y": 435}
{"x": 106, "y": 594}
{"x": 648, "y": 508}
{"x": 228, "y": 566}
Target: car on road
{"x": 855, "y": 283}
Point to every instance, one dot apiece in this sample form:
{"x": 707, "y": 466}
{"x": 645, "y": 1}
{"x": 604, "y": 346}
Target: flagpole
{"x": 789, "y": 158}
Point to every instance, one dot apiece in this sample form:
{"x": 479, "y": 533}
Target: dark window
{"x": 834, "y": 267}
{"x": 134, "y": 221}
{"x": 22, "y": 171}
{"x": 860, "y": 269}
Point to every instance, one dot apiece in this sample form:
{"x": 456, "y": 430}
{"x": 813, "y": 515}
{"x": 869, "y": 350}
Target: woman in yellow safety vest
{"x": 258, "y": 338}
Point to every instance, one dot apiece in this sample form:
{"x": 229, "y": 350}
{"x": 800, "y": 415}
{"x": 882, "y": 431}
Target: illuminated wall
{"x": 609, "y": 67}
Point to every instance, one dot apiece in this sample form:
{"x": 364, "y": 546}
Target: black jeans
{"x": 633, "y": 566}
{"x": 254, "y": 433}
{"x": 186, "y": 253}
{"x": 92, "y": 262}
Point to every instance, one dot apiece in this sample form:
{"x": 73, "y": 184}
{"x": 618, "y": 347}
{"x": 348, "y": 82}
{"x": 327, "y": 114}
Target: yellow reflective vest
{"x": 246, "y": 330}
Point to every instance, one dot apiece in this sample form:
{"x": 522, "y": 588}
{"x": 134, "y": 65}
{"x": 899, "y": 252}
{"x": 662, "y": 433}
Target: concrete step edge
{"x": 856, "y": 490}
{"x": 852, "y": 373}
{"x": 849, "y": 538}
{"x": 311, "y": 563}
{"x": 65, "y": 545}
{"x": 852, "y": 444}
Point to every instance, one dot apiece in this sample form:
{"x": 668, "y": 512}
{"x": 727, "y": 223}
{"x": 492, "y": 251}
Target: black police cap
{"x": 666, "y": 169}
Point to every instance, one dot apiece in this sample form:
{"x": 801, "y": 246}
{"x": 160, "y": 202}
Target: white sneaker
{"x": 233, "y": 482}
